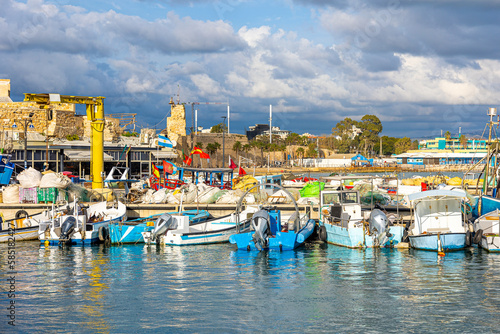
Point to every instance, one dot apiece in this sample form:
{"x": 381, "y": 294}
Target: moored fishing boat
{"x": 81, "y": 225}
{"x": 342, "y": 222}
{"x": 487, "y": 231}
{"x": 270, "y": 231}
{"x": 176, "y": 230}
{"x": 440, "y": 223}
{"x": 131, "y": 231}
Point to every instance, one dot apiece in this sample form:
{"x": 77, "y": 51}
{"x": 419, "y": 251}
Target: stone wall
{"x": 112, "y": 130}
{"x": 5, "y": 90}
{"x": 176, "y": 123}
{"x": 64, "y": 120}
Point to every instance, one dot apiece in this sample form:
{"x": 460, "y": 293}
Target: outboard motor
{"x": 378, "y": 225}
{"x": 67, "y": 228}
{"x": 261, "y": 224}
{"x": 164, "y": 223}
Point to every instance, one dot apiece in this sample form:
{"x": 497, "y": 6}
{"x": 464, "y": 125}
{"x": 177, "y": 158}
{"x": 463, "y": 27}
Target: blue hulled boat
{"x": 271, "y": 232}
{"x": 130, "y": 232}
{"x": 439, "y": 222}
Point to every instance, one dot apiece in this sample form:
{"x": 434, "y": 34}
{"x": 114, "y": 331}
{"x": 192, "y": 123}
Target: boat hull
{"x": 449, "y": 241}
{"x": 282, "y": 241}
{"x": 491, "y": 243}
{"x": 21, "y": 234}
{"x": 356, "y": 237}
{"x": 123, "y": 233}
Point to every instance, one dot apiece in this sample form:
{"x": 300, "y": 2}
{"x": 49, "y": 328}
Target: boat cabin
{"x": 438, "y": 211}
{"x": 341, "y": 207}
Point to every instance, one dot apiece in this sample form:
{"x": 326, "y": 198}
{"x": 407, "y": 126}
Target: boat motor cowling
{"x": 67, "y": 228}
{"x": 164, "y": 223}
{"x": 378, "y": 224}
{"x": 261, "y": 224}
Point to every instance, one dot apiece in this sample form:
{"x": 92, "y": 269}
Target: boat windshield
{"x": 340, "y": 198}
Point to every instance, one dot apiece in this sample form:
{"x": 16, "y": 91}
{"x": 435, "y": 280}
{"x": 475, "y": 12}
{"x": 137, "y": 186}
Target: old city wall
{"x": 63, "y": 120}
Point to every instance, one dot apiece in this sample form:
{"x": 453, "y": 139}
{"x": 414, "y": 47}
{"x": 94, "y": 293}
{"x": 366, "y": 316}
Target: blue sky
{"x": 421, "y": 66}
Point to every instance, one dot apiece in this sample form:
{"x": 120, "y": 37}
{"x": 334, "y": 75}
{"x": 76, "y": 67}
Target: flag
{"x": 241, "y": 171}
{"x": 168, "y": 168}
{"x": 232, "y": 165}
{"x": 164, "y": 141}
{"x": 202, "y": 154}
{"x": 156, "y": 171}
{"x": 187, "y": 160}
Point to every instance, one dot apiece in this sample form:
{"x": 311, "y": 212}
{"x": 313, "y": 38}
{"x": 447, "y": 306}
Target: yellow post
{"x": 96, "y": 143}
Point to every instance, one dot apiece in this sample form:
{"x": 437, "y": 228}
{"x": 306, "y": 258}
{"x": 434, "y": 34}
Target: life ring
{"x": 478, "y": 236}
{"x": 103, "y": 233}
{"x": 21, "y": 214}
{"x": 322, "y": 234}
{"x": 468, "y": 238}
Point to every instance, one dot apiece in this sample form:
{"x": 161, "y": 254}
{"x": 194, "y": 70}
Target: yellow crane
{"x": 95, "y": 113}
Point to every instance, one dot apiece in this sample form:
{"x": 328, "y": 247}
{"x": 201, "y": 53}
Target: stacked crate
{"x": 28, "y": 195}
{"x": 51, "y": 195}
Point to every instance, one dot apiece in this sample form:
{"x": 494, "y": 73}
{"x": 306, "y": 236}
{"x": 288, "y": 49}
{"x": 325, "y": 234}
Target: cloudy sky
{"x": 421, "y": 66}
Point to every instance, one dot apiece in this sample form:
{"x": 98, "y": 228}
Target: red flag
{"x": 187, "y": 160}
{"x": 202, "y": 154}
{"x": 242, "y": 171}
{"x": 232, "y": 165}
{"x": 167, "y": 167}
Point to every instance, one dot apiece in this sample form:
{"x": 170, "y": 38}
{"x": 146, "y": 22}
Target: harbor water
{"x": 205, "y": 289}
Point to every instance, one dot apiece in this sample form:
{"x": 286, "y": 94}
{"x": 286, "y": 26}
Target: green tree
{"x": 212, "y": 149}
{"x": 402, "y": 145}
{"x": 246, "y": 148}
{"x": 199, "y": 144}
{"x": 463, "y": 141}
{"x": 311, "y": 150}
{"x": 237, "y": 147}
{"x": 300, "y": 152}
{"x": 370, "y": 126}
{"x": 218, "y": 128}
{"x": 447, "y": 135}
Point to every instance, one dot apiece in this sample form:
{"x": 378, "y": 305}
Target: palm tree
{"x": 212, "y": 149}
{"x": 237, "y": 148}
{"x": 463, "y": 141}
{"x": 300, "y": 152}
{"x": 246, "y": 148}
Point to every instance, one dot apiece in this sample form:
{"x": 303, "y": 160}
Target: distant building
{"x": 453, "y": 144}
{"x": 256, "y": 130}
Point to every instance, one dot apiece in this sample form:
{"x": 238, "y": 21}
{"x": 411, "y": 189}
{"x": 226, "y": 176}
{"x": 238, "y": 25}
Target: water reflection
{"x": 215, "y": 288}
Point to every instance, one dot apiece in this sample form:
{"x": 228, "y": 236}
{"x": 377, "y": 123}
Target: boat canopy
{"x": 437, "y": 193}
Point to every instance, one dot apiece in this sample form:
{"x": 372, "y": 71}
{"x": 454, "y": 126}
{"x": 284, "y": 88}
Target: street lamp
{"x": 223, "y": 144}
{"x": 25, "y": 121}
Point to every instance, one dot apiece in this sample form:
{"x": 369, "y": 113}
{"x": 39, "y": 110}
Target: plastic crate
{"x": 28, "y": 195}
{"x": 51, "y": 195}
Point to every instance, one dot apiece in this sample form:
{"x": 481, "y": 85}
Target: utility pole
{"x": 193, "y": 116}
{"x": 270, "y": 124}
{"x": 223, "y": 144}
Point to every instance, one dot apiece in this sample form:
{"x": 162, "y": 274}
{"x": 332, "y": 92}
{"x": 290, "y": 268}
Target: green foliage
{"x": 237, "y": 147}
{"x": 130, "y": 134}
{"x": 311, "y": 150}
{"x": 72, "y": 137}
{"x": 199, "y": 144}
{"x": 402, "y": 145}
{"x": 447, "y": 135}
{"x": 219, "y": 128}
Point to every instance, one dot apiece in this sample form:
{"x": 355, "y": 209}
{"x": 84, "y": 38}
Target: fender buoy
{"x": 468, "y": 239}
{"x": 103, "y": 233}
{"x": 322, "y": 233}
{"x": 21, "y": 214}
{"x": 405, "y": 235}
{"x": 478, "y": 236}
